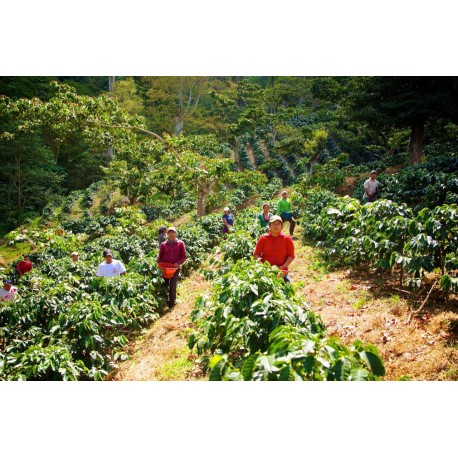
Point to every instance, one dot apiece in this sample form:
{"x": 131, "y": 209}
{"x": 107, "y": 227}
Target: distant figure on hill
{"x": 228, "y": 220}
{"x": 8, "y": 292}
{"x": 371, "y": 188}
{"x": 172, "y": 251}
{"x": 162, "y": 237}
{"x": 110, "y": 267}
{"x": 75, "y": 256}
{"x": 275, "y": 247}
{"x": 284, "y": 210}
{"x": 24, "y": 266}
{"x": 265, "y": 215}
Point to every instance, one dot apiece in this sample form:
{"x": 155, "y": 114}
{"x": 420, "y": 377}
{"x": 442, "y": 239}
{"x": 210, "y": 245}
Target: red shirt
{"x": 274, "y": 250}
{"x": 173, "y": 252}
{"x": 24, "y": 266}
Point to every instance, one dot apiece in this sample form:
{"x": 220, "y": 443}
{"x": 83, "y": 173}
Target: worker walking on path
{"x": 284, "y": 210}
{"x": 172, "y": 251}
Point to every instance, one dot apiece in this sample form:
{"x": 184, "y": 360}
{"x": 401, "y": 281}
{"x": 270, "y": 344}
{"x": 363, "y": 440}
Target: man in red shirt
{"x": 24, "y": 266}
{"x": 275, "y": 247}
{"x": 172, "y": 251}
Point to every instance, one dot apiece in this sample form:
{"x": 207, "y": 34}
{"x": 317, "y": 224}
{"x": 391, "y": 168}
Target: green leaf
{"x": 248, "y": 367}
{"x": 373, "y": 362}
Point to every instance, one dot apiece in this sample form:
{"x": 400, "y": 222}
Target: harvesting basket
{"x": 168, "y": 269}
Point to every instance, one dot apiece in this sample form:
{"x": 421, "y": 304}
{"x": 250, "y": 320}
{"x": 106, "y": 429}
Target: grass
{"x": 177, "y": 367}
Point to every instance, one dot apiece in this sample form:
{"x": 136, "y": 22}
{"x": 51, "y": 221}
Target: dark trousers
{"x": 292, "y": 222}
{"x": 171, "y": 284}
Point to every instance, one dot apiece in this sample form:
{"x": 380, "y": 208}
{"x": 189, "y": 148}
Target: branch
{"x": 416, "y": 312}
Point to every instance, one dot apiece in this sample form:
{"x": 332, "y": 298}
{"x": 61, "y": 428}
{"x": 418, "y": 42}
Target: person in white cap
{"x": 110, "y": 267}
{"x": 371, "y": 188}
{"x": 172, "y": 251}
{"x": 75, "y": 256}
{"x": 228, "y": 220}
{"x": 275, "y": 247}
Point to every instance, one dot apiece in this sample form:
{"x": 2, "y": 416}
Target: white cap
{"x": 75, "y": 253}
{"x": 226, "y": 209}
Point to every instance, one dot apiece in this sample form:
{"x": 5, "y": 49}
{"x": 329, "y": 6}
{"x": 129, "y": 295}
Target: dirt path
{"x": 161, "y": 353}
{"x": 250, "y": 153}
{"x": 366, "y": 305}
{"x": 263, "y": 145}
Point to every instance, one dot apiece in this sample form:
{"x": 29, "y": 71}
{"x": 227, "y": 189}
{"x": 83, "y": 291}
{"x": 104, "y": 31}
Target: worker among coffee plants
{"x": 275, "y": 247}
{"x": 172, "y": 251}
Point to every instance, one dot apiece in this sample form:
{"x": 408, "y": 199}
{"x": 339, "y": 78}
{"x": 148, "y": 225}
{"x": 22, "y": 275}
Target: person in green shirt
{"x": 284, "y": 210}
{"x": 265, "y": 216}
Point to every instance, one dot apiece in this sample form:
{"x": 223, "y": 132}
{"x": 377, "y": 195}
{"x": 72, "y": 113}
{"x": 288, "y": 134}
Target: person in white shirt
{"x": 8, "y": 292}
{"x": 371, "y": 188}
{"x": 110, "y": 267}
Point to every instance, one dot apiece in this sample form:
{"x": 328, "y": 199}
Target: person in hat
{"x": 75, "y": 256}
{"x": 162, "y": 237}
{"x": 110, "y": 267}
{"x": 172, "y": 251}
{"x": 24, "y": 266}
{"x": 275, "y": 247}
{"x": 265, "y": 215}
{"x": 228, "y": 220}
{"x": 284, "y": 210}
{"x": 371, "y": 188}
{"x": 8, "y": 292}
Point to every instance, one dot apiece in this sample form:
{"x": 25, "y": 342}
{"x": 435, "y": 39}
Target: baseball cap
{"x": 75, "y": 253}
{"x": 374, "y": 171}
{"x": 107, "y": 253}
{"x": 275, "y": 218}
{"x": 8, "y": 282}
{"x": 284, "y": 192}
{"x": 226, "y": 209}
{"x": 171, "y": 228}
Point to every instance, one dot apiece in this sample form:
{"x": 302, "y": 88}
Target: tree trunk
{"x": 202, "y": 193}
{"x": 415, "y": 148}
{"x": 179, "y": 124}
{"x": 111, "y": 85}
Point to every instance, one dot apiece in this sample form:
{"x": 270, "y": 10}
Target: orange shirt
{"x": 274, "y": 250}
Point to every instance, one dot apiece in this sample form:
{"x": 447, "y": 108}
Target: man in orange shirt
{"x": 275, "y": 247}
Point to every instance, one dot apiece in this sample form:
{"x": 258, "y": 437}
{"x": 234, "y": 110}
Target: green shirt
{"x": 261, "y": 219}
{"x": 284, "y": 206}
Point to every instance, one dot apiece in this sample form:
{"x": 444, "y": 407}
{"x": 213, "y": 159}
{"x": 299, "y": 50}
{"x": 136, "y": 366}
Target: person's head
{"x": 7, "y": 285}
{"x": 26, "y": 257}
{"x": 171, "y": 233}
{"x": 162, "y": 229}
{"x": 226, "y": 210}
{"x": 275, "y": 225}
{"x": 373, "y": 174}
{"x": 75, "y": 256}
{"x": 265, "y": 207}
{"x": 284, "y": 194}
{"x": 108, "y": 255}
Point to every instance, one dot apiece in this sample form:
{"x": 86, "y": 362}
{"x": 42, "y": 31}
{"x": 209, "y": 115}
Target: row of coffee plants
{"x": 384, "y": 234}
{"x": 255, "y": 327}
{"x": 71, "y": 325}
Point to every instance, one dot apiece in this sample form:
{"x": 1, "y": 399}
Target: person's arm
{"x": 259, "y": 250}
{"x": 160, "y": 254}
{"x": 225, "y": 222}
{"x": 122, "y": 269}
{"x": 289, "y": 253}
{"x": 182, "y": 255}
{"x": 99, "y": 272}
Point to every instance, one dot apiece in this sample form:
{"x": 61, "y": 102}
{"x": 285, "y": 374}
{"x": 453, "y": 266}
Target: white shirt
{"x": 8, "y": 295}
{"x": 110, "y": 270}
{"x": 371, "y": 186}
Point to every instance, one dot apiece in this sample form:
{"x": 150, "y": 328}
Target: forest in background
{"x": 290, "y": 128}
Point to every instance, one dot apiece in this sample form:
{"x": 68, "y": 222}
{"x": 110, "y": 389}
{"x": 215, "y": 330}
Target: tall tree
{"x": 407, "y": 101}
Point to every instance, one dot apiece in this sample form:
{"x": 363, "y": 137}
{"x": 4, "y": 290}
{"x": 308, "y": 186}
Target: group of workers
{"x": 273, "y": 247}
